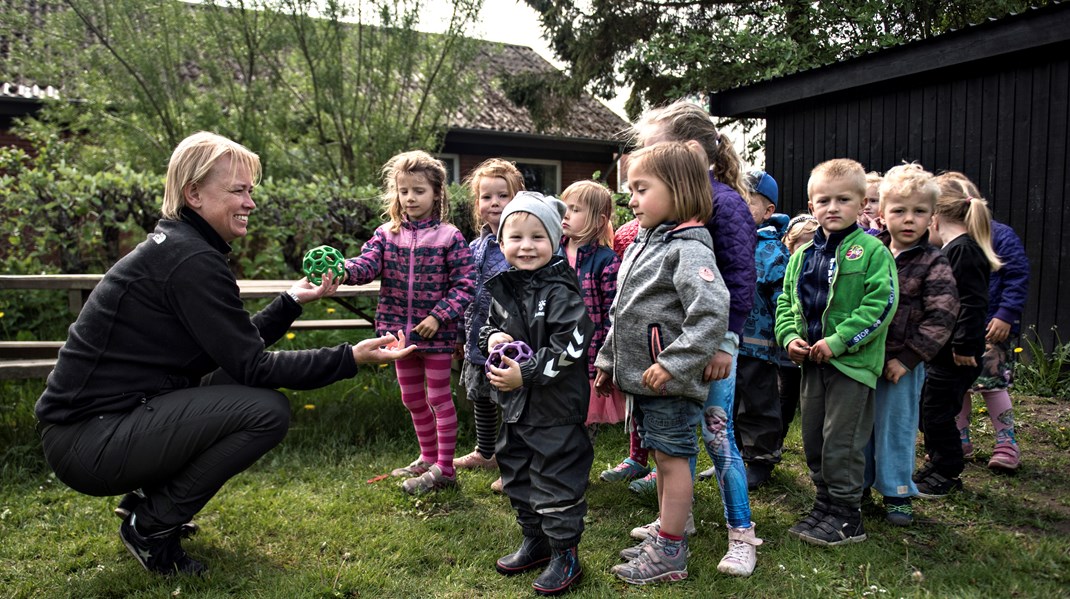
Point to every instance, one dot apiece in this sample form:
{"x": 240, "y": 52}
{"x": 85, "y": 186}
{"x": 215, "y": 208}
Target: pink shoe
{"x": 1006, "y": 457}
{"x": 474, "y": 460}
{"x": 497, "y": 486}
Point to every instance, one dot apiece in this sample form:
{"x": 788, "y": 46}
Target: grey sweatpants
{"x": 837, "y": 421}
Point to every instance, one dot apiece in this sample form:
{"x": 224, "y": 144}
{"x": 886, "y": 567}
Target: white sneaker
{"x": 650, "y": 531}
{"x": 742, "y": 553}
{"x": 707, "y": 473}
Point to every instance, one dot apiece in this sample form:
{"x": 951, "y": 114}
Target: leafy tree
{"x": 669, "y": 49}
{"x": 311, "y": 86}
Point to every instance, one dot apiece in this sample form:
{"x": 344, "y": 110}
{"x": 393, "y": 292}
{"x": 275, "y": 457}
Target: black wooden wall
{"x": 1005, "y": 125}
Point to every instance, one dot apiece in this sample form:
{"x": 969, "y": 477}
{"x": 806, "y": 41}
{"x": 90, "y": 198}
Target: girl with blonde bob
{"x": 671, "y": 300}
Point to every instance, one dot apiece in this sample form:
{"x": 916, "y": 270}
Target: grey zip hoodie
{"x": 671, "y": 306}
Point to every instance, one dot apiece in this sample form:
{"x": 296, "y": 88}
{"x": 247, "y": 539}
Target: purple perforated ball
{"x": 516, "y": 350}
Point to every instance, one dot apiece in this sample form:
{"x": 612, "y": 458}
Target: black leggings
{"x": 179, "y": 448}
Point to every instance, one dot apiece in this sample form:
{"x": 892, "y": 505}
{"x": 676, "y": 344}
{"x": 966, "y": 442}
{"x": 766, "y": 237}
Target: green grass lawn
{"x": 304, "y": 522}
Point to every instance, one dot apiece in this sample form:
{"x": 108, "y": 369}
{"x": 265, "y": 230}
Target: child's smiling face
{"x": 525, "y": 242}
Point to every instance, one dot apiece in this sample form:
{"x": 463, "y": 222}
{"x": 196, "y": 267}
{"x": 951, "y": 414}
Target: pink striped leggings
{"x": 433, "y": 414}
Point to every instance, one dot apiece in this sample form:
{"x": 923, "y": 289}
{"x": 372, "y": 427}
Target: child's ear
{"x": 769, "y": 210}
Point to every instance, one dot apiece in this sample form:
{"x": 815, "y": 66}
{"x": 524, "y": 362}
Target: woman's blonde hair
{"x": 599, "y": 202}
{"x": 682, "y": 168}
{"x": 192, "y": 162}
{"x": 958, "y": 204}
{"x": 798, "y": 226}
{"x": 489, "y": 169}
{"x": 909, "y": 179}
{"x": 684, "y": 120}
{"x": 416, "y": 162}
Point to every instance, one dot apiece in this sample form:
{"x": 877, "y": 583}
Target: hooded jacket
{"x": 543, "y": 308}
{"x": 487, "y": 261}
{"x": 671, "y": 302}
{"x": 164, "y": 316}
{"x": 770, "y": 262}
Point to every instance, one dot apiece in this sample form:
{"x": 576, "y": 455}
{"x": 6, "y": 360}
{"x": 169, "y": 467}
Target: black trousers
{"x": 757, "y": 410}
{"x": 179, "y": 448}
{"x": 544, "y": 472}
{"x": 941, "y": 400}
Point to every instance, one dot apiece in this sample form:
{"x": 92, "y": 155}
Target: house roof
{"x": 1035, "y": 29}
{"x": 493, "y": 112}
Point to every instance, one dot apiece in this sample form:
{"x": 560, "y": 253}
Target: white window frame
{"x": 456, "y": 158}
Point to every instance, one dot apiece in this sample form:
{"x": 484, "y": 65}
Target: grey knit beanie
{"x": 548, "y": 209}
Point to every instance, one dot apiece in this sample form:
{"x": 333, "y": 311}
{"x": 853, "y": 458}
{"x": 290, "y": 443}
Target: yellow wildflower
{"x": 309, "y": 406}
{"x": 290, "y": 336}
{"x": 1017, "y": 350}
{"x": 330, "y": 310}
{"x": 1, "y": 314}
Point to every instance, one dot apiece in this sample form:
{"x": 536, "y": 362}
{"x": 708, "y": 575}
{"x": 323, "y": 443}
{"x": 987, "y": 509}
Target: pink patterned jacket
{"x": 426, "y": 268}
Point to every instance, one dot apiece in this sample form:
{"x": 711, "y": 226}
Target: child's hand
{"x": 506, "y": 378}
{"x": 603, "y": 384}
{"x": 655, "y": 378}
{"x": 964, "y": 360}
{"x": 720, "y": 367}
{"x": 798, "y": 351}
{"x": 997, "y": 331}
{"x": 894, "y": 370}
{"x": 427, "y": 327}
{"x": 497, "y": 339}
{"x": 820, "y": 352}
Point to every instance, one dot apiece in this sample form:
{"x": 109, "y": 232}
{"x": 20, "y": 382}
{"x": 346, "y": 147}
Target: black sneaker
{"x": 841, "y": 525}
{"x": 817, "y": 513}
{"x": 899, "y": 511}
{"x": 132, "y": 499}
{"x": 758, "y": 474}
{"x": 926, "y": 469}
{"x": 161, "y": 552}
{"x": 937, "y": 486}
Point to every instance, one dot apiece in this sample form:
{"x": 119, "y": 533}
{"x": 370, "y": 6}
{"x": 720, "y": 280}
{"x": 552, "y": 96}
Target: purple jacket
{"x": 1009, "y": 285}
{"x": 734, "y": 238}
{"x": 596, "y": 269}
{"x": 426, "y": 268}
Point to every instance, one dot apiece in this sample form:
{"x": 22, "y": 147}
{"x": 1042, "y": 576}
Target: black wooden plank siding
{"x": 1005, "y": 128}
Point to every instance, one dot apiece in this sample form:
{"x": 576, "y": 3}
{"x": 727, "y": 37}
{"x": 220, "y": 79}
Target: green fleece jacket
{"x": 862, "y": 299}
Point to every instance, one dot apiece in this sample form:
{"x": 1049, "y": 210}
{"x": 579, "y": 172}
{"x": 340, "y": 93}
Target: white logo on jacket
{"x": 568, "y": 357}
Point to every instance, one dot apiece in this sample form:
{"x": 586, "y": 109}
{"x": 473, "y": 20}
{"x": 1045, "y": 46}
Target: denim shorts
{"x": 667, "y": 424}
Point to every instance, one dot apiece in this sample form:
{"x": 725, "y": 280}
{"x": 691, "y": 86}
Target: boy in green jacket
{"x": 840, "y": 293}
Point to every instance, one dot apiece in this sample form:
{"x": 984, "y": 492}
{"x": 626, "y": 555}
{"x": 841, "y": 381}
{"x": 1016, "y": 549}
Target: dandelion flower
{"x": 309, "y": 406}
{"x": 1, "y": 314}
{"x": 330, "y": 310}
{"x": 1017, "y": 350}
{"x": 982, "y": 410}
{"x": 291, "y": 336}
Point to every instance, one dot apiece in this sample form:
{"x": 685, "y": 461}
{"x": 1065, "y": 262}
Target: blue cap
{"x": 763, "y": 183}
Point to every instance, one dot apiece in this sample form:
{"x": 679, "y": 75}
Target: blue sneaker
{"x": 647, "y": 484}
{"x": 625, "y": 471}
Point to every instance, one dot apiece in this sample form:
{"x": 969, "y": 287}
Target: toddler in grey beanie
{"x": 548, "y": 209}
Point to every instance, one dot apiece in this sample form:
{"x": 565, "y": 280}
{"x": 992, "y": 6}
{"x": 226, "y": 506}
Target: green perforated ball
{"x": 321, "y": 259}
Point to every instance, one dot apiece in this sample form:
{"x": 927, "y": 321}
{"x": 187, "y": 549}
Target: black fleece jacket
{"x": 164, "y": 316}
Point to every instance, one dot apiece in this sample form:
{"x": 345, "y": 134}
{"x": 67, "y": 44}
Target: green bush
{"x": 1044, "y": 373}
{"x": 60, "y": 219}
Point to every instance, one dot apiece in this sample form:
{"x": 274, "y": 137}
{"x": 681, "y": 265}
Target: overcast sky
{"x": 507, "y": 21}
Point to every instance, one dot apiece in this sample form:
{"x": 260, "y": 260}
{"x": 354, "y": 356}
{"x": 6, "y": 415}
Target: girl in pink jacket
{"x": 427, "y": 281}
